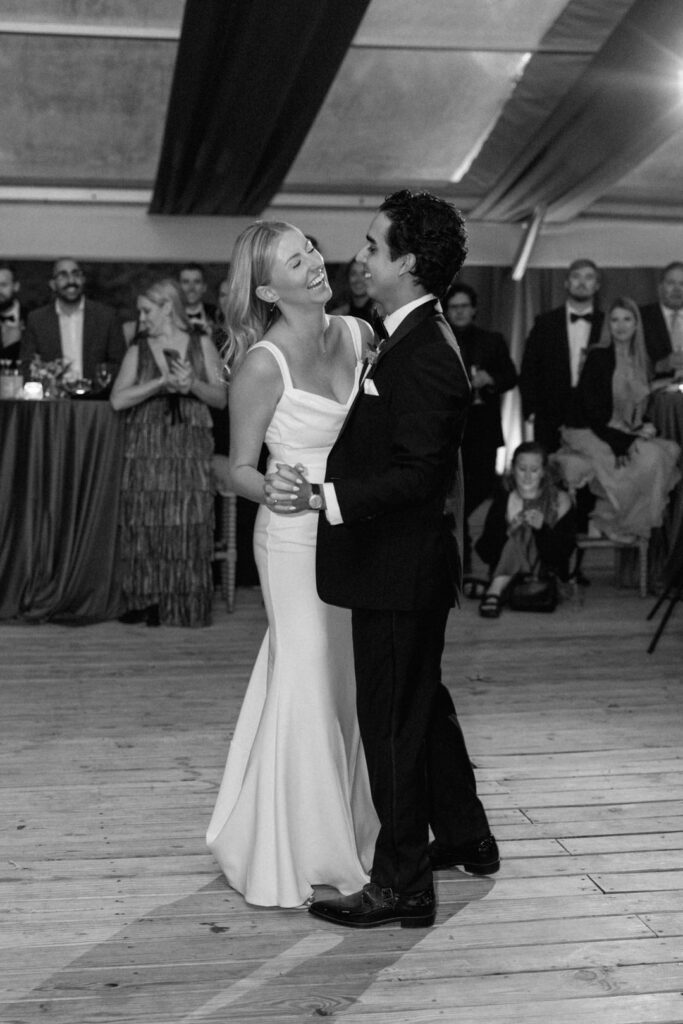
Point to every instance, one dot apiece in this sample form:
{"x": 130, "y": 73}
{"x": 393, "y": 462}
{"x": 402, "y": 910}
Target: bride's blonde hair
{"x": 247, "y": 317}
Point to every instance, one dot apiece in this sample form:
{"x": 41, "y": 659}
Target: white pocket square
{"x": 369, "y": 387}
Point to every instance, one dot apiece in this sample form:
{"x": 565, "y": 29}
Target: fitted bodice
{"x": 305, "y": 425}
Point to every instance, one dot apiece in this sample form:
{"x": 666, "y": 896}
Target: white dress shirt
{"x": 578, "y": 334}
{"x": 71, "y": 334}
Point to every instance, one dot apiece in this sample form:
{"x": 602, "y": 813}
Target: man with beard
{"x": 555, "y": 353}
{"x": 84, "y": 333}
{"x": 11, "y": 314}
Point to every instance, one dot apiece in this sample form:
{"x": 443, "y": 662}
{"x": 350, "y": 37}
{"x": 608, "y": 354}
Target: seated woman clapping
{"x": 616, "y": 453}
{"x": 530, "y": 527}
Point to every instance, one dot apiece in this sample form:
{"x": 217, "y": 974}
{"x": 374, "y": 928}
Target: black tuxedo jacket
{"x": 13, "y": 351}
{"x": 657, "y": 337}
{"x": 393, "y": 465}
{"x": 488, "y": 350}
{"x": 545, "y": 378}
{"x": 103, "y": 340}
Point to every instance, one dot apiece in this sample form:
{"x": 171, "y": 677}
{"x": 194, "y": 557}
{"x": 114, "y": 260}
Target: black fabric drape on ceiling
{"x": 250, "y": 77}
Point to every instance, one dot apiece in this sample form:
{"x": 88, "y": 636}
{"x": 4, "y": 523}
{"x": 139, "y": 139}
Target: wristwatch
{"x": 316, "y": 499}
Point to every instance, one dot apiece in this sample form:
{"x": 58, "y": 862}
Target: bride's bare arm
{"x": 254, "y": 394}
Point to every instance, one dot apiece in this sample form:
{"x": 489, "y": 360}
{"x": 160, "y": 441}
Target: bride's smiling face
{"x": 298, "y": 273}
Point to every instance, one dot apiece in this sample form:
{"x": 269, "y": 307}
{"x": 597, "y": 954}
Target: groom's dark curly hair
{"x": 430, "y": 228}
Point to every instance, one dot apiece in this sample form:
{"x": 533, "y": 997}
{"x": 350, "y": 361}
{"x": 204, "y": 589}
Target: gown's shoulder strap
{"x": 279, "y": 359}
{"x": 352, "y": 324}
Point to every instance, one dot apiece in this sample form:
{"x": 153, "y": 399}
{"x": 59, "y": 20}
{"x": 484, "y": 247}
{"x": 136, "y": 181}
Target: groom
{"x": 386, "y": 550}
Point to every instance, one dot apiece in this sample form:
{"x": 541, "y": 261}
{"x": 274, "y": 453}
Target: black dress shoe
{"x": 374, "y": 905}
{"x": 479, "y": 858}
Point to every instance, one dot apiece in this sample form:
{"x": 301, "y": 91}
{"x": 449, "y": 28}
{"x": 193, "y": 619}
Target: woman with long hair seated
{"x": 530, "y": 527}
{"x": 616, "y": 453}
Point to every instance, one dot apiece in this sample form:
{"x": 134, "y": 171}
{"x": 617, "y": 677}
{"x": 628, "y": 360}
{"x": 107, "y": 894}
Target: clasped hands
{"x": 532, "y": 517}
{"x": 287, "y": 490}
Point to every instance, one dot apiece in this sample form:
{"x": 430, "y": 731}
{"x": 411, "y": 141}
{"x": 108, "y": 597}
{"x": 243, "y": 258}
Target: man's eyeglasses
{"x": 69, "y": 275}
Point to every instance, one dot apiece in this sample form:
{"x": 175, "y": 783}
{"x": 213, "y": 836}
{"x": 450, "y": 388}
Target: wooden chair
{"x": 584, "y": 543}
{"x": 226, "y": 551}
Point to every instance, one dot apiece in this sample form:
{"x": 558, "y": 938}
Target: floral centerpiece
{"x": 51, "y": 375}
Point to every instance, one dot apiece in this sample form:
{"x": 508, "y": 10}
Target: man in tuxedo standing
{"x": 84, "y": 333}
{"x": 192, "y": 281}
{"x": 663, "y": 324}
{"x": 554, "y": 355}
{"x": 386, "y": 550}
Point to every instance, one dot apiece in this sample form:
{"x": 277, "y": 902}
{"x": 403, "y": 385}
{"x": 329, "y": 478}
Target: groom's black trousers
{"x": 420, "y": 771}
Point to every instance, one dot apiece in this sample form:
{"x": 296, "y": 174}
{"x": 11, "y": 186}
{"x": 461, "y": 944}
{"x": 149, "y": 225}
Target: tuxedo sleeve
{"x": 428, "y": 403}
{"x": 503, "y": 371}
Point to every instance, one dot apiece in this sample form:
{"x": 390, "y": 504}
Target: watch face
{"x": 315, "y": 501}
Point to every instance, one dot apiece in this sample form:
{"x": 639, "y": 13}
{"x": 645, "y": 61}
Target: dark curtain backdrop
{"x": 504, "y": 305}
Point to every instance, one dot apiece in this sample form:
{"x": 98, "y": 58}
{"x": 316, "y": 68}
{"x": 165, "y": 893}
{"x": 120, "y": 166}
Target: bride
{"x": 294, "y": 808}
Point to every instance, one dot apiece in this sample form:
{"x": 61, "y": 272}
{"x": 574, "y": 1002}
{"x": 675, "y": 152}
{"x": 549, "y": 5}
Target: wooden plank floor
{"x": 113, "y": 743}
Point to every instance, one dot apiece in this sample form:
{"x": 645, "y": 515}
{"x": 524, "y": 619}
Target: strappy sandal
{"x": 473, "y": 587}
{"x": 490, "y": 606}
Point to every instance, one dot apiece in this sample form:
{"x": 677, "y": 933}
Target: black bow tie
{"x": 379, "y": 327}
{"x": 573, "y": 317}
{"x": 8, "y": 317}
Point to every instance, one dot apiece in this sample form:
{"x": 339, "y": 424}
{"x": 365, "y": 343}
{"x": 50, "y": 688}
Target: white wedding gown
{"x": 294, "y": 808}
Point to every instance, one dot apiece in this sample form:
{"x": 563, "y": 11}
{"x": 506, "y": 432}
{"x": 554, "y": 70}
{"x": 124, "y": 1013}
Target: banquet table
{"x": 60, "y": 472}
{"x": 666, "y": 413}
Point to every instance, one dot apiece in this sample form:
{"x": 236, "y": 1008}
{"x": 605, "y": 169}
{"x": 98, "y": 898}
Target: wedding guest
{"x": 352, "y": 297}
{"x": 628, "y": 468}
{"x": 555, "y": 352}
{"x": 12, "y": 317}
{"x": 487, "y": 360}
{"x": 193, "y": 285}
{"x": 530, "y": 527}
{"x": 170, "y": 377}
{"x": 84, "y": 333}
{"x": 663, "y": 324}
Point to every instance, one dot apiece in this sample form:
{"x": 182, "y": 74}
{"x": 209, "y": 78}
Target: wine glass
{"x": 103, "y": 375}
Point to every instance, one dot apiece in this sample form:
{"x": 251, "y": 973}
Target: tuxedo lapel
{"x": 415, "y": 317}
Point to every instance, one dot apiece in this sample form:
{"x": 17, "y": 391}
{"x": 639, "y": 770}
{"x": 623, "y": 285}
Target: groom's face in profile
{"x": 381, "y": 272}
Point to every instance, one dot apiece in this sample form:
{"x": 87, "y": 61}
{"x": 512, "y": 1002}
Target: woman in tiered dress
{"x": 170, "y": 374}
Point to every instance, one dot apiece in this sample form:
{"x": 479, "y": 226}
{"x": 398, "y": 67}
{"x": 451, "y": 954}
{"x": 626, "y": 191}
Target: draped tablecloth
{"x": 666, "y": 412}
{"x": 60, "y": 475}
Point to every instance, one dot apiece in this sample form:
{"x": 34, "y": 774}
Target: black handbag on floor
{"x": 531, "y": 593}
